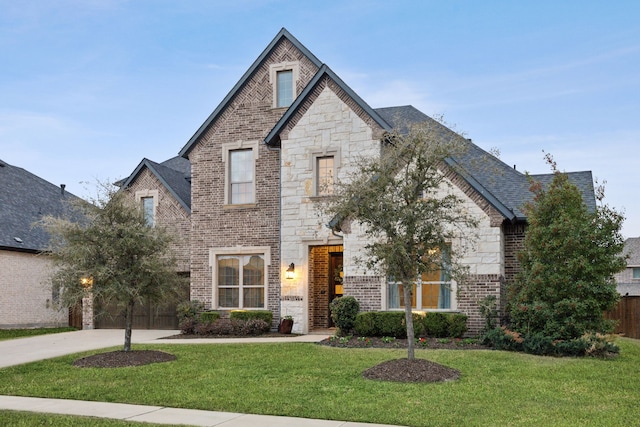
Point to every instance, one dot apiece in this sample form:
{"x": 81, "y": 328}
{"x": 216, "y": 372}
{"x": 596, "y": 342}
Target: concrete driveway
{"x": 29, "y": 349}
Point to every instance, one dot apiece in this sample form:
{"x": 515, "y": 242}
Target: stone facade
{"x": 26, "y": 301}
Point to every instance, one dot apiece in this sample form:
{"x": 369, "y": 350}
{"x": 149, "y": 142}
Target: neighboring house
{"x": 288, "y": 128}
{"x": 163, "y": 191}
{"x": 628, "y": 280}
{"x": 26, "y": 300}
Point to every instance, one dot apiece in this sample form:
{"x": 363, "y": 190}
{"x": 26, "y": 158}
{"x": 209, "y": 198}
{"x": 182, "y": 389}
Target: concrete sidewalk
{"x": 161, "y": 415}
{"x": 24, "y": 350}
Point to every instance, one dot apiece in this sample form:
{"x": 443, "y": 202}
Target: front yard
{"x": 313, "y": 381}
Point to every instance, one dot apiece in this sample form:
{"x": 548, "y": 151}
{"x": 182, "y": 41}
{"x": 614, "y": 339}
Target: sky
{"x": 89, "y": 88}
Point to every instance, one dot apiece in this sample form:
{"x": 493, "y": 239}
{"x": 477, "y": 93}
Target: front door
{"x": 335, "y": 279}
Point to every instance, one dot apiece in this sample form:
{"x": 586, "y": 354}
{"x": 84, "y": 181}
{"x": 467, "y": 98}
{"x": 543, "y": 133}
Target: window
{"x": 636, "y": 272}
{"x": 239, "y": 277}
{"x": 241, "y": 176}
{"x": 148, "y": 211}
{"x": 324, "y": 175}
{"x": 283, "y": 77}
{"x": 239, "y": 159}
{"x": 284, "y": 88}
{"x": 148, "y": 202}
{"x": 432, "y": 290}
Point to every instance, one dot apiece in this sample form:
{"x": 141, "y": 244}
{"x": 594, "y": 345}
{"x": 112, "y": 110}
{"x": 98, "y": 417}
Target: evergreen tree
{"x": 567, "y": 265}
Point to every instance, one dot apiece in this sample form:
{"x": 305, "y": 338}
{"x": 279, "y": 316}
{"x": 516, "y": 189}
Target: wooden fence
{"x": 627, "y": 313}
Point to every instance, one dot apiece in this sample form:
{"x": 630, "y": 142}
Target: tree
{"x": 406, "y": 208}
{"x": 568, "y": 261}
{"x": 111, "y": 254}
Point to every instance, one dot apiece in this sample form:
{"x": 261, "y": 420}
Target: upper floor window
{"x": 148, "y": 211}
{"x": 283, "y": 77}
{"x": 241, "y": 179}
{"x": 148, "y": 200}
{"x": 284, "y": 88}
{"x": 325, "y": 173}
{"x": 636, "y": 272}
{"x": 240, "y": 165}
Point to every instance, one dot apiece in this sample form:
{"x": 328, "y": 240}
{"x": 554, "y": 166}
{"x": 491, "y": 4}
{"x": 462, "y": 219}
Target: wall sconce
{"x": 290, "y": 271}
{"x": 86, "y": 282}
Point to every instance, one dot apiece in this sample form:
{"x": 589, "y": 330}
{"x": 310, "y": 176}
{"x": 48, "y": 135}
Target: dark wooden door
{"x": 336, "y": 275}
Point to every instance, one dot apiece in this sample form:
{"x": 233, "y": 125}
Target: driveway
{"x": 25, "y": 350}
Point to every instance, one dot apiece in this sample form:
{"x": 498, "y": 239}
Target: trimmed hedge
{"x": 209, "y": 316}
{"x": 392, "y": 324}
{"x": 264, "y": 315}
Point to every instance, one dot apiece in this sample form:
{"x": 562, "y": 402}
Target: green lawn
{"x": 308, "y": 380}
{"x": 8, "y": 334}
{"x": 28, "y": 419}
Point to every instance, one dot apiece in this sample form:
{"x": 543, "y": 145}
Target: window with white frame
{"x": 240, "y": 158}
{"x": 148, "y": 200}
{"x": 283, "y": 77}
{"x": 636, "y": 272}
{"x": 432, "y": 290}
{"x": 240, "y": 278}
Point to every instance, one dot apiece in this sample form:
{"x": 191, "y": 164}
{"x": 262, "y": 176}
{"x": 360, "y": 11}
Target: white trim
{"x": 265, "y": 251}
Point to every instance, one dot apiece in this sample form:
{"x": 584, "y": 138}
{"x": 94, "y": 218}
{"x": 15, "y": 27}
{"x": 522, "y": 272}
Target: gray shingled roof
{"x": 632, "y": 250}
{"x": 174, "y": 174}
{"x": 503, "y": 186}
{"x": 24, "y": 200}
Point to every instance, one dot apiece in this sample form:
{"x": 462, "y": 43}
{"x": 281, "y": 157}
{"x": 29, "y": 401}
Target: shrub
{"x": 189, "y": 309}
{"x": 489, "y": 311}
{"x": 539, "y": 344}
{"x": 503, "y": 339}
{"x": 343, "y": 312}
{"x": 436, "y": 325}
{"x": 187, "y": 325}
{"x": 209, "y": 316}
{"x": 365, "y": 324}
{"x": 392, "y": 323}
{"x": 457, "y": 324}
{"x": 251, "y": 327}
{"x": 265, "y": 315}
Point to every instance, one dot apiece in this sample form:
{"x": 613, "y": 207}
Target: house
{"x": 25, "y": 299}
{"x": 260, "y": 159}
{"x": 628, "y": 280}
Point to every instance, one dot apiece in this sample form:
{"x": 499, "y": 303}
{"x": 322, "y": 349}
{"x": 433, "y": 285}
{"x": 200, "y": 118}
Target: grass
{"x": 29, "y": 419}
{"x": 307, "y": 380}
{"x": 8, "y": 334}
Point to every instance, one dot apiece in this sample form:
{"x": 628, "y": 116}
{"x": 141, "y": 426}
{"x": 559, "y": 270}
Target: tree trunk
{"x": 408, "y": 314}
{"x": 128, "y": 323}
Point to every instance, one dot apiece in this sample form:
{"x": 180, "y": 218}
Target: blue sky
{"x": 89, "y": 88}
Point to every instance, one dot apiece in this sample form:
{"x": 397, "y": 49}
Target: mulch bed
{"x": 398, "y": 370}
{"x": 424, "y": 343}
{"x": 119, "y": 359}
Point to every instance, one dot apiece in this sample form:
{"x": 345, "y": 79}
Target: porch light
{"x": 86, "y": 282}
{"x": 290, "y": 271}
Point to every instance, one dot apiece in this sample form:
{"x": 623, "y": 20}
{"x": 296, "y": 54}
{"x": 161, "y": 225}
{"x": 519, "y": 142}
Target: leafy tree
{"x": 567, "y": 265}
{"x": 112, "y": 255}
{"x": 405, "y": 206}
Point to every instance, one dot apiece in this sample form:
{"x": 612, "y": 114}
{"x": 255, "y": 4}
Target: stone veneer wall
{"x": 26, "y": 300}
{"x": 169, "y": 213}
{"x": 329, "y": 122}
{"x": 247, "y": 118}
